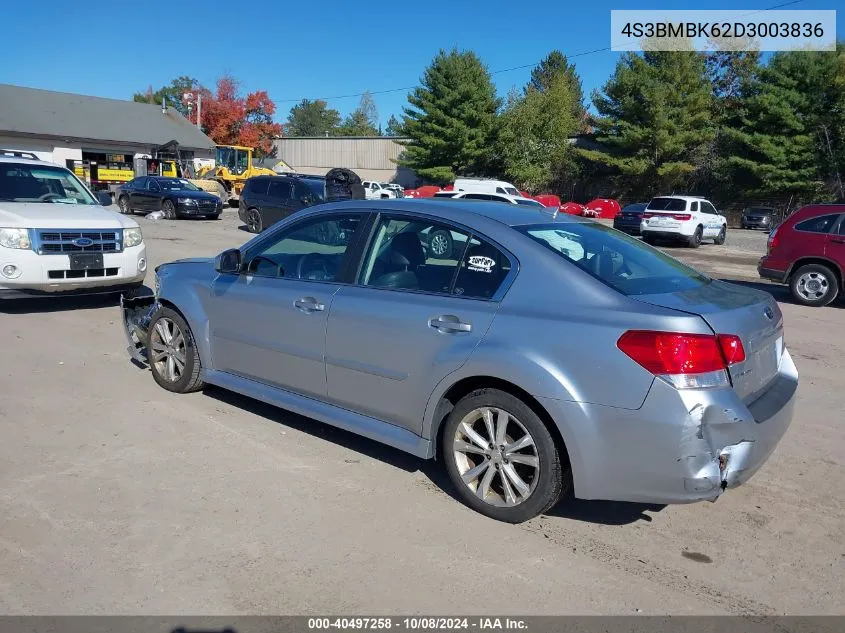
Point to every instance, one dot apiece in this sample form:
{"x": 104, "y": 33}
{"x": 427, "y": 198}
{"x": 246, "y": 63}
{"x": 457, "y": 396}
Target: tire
{"x": 161, "y": 352}
{"x": 720, "y": 238}
{"x": 168, "y": 210}
{"x": 695, "y": 240}
{"x": 549, "y": 477}
{"x": 254, "y": 222}
{"x": 123, "y": 205}
{"x": 216, "y": 216}
{"x": 440, "y": 244}
{"x": 814, "y": 285}
{"x": 648, "y": 239}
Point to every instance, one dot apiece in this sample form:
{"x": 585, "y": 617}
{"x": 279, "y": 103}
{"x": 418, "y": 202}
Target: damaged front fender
{"x": 137, "y": 315}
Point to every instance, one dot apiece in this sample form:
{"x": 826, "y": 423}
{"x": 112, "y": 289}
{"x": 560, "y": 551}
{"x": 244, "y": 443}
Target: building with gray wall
{"x": 371, "y": 157}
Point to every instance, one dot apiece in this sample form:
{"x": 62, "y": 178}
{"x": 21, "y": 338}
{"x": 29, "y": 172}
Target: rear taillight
{"x": 772, "y": 243}
{"x": 683, "y": 217}
{"x": 647, "y": 215}
{"x": 684, "y": 360}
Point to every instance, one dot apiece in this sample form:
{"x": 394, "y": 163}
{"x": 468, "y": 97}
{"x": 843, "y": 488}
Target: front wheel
{"x": 720, "y": 238}
{"x": 695, "y": 240}
{"x": 168, "y": 210}
{"x": 123, "y": 205}
{"x": 253, "y": 221}
{"x": 172, "y": 354}
{"x": 501, "y": 457}
{"x": 814, "y": 285}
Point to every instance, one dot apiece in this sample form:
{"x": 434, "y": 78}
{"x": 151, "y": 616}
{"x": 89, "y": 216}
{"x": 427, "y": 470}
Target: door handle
{"x": 309, "y": 304}
{"x": 449, "y": 323}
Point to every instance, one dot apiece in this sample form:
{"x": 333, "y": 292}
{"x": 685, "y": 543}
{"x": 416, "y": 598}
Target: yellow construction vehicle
{"x": 232, "y": 167}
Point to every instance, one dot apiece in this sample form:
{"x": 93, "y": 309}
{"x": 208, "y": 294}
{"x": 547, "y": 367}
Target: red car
{"x": 807, "y": 251}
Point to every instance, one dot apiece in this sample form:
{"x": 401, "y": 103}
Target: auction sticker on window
{"x": 734, "y": 30}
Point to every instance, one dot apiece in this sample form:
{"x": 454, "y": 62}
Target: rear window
{"x": 667, "y": 204}
{"x": 622, "y": 262}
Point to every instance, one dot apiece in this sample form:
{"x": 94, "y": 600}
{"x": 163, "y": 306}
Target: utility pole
{"x": 199, "y": 109}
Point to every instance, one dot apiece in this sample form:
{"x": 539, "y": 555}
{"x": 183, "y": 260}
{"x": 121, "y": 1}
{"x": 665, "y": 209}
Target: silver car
{"x": 547, "y": 356}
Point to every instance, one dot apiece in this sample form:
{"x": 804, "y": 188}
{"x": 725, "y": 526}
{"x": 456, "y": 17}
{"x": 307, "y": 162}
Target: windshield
{"x": 176, "y": 184}
{"x": 235, "y": 160}
{"x": 41, "y": 183}
{"x": 667, "y": 204}
{"x": 620, "y": 261}
{"x": 527, "y": 202}
{"x": 637, "y": 206}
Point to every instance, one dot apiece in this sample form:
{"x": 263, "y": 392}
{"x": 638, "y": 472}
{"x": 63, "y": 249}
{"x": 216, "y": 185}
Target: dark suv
{"x": 267, "y": 199}
{"x": 758, "y": 218}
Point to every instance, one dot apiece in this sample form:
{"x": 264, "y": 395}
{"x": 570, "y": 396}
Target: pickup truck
{"x": 377, "y": 191}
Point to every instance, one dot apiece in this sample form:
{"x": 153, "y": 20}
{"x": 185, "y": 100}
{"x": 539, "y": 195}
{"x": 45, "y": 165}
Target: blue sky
{"x": 309, "y": 49}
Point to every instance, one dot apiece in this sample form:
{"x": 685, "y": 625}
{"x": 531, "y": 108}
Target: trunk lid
{"x": 752, "y": 315}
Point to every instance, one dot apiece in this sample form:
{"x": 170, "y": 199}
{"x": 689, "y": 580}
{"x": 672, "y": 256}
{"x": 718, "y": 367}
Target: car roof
{"x": 467, "y": 212}
{"x": 687, "y": 198}
{"x": 27, "y": 161}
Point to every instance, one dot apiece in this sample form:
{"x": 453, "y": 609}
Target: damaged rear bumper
{"x": 137, "y": 314}
{"x": 681, "y": 446}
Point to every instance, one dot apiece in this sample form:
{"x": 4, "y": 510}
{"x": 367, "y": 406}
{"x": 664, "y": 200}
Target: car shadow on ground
{"x": 602, "y": 512}
{"x": 780, "y": 292}
{"x": 58, "y": 304}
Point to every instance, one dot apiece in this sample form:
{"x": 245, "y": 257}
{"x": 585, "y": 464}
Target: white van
{"x": 486, "y": 185}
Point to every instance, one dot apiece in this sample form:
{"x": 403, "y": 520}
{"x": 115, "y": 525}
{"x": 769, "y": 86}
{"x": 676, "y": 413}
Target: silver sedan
{"x": 538, "y": 357}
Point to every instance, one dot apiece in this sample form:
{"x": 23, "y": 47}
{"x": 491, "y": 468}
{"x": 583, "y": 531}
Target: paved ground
{"x": 118, "y": 497}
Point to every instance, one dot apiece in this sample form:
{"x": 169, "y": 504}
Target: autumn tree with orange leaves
{"x": 231, "y": 119}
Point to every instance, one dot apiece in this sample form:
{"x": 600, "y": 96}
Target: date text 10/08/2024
{"x": 417, "y": 623}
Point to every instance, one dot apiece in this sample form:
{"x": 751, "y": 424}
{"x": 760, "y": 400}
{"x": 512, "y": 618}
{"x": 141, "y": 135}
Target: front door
{"x": 268, "y": 323}
{"x": 412, "y": 319}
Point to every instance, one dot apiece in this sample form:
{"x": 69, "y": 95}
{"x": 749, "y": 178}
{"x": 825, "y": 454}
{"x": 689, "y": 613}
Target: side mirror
{"x": 104, "y": 198}
{"x": 228, "y": 262}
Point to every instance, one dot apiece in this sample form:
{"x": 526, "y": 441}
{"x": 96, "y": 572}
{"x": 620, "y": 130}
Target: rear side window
{"x": 620, "y": 261}
{"x": 667, "y": 204}
{"x": 280, "y": 189}
{"x": 694, "y": 206}
{"x": 820, "y": 224}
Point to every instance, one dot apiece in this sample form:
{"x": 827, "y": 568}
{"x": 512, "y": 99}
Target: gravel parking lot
{"x": 119, "y": 497}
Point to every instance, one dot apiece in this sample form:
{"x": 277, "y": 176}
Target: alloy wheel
{"x": 168, "y": 350}
{"x": 169, "y": 210}
{"x": 253, "y": 221}
{"x": 812, "y": 286}
{"x": 496, "y": 457}
{"x": 439, "y": 244}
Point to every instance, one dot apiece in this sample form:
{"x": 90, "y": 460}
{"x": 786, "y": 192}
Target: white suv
{"x": 56, "y": 237}
{"x": 685, "y": 218}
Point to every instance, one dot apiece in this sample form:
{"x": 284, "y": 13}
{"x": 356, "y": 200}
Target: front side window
{"x": 694, "y": 207}
{"x": 820, "y": 224}
{"x": 279, "y": 189}
{"x": 312, "y": 249}
{"x": 618, "y": 260}
{"x": 500, "y": 190}
{"x": 258, "y": 186}
{"x": 425, "y": 256}
{"x": 37, "y": 183}
{"x": 709, "y": 208}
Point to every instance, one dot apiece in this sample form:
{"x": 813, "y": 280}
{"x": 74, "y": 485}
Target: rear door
{"x": 411, "y": 319}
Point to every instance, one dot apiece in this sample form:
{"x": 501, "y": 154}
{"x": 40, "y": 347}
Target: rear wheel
{"x": 720, "y": 238}
{"x": 814, "y": 285}
{"x": 501, "y": 458}
{"x": 648, "y": 239}
{"x": 695, "y": 240}
{"x": 168, "y": 210}
{"x": 173, "y": 357}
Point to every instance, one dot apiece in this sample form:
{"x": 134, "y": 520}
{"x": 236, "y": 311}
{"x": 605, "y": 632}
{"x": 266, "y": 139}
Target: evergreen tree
{"x": 534, "y": 137}
{"x": 394, "y": 127}
{"x": 790, "y": 136}
{"x": 451, "y": 121}
{"x": 555, "y": 67}
{"x": 311, "y": 118}
{"x": 362, "y": 121}
{"x": 654, "y": 122}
